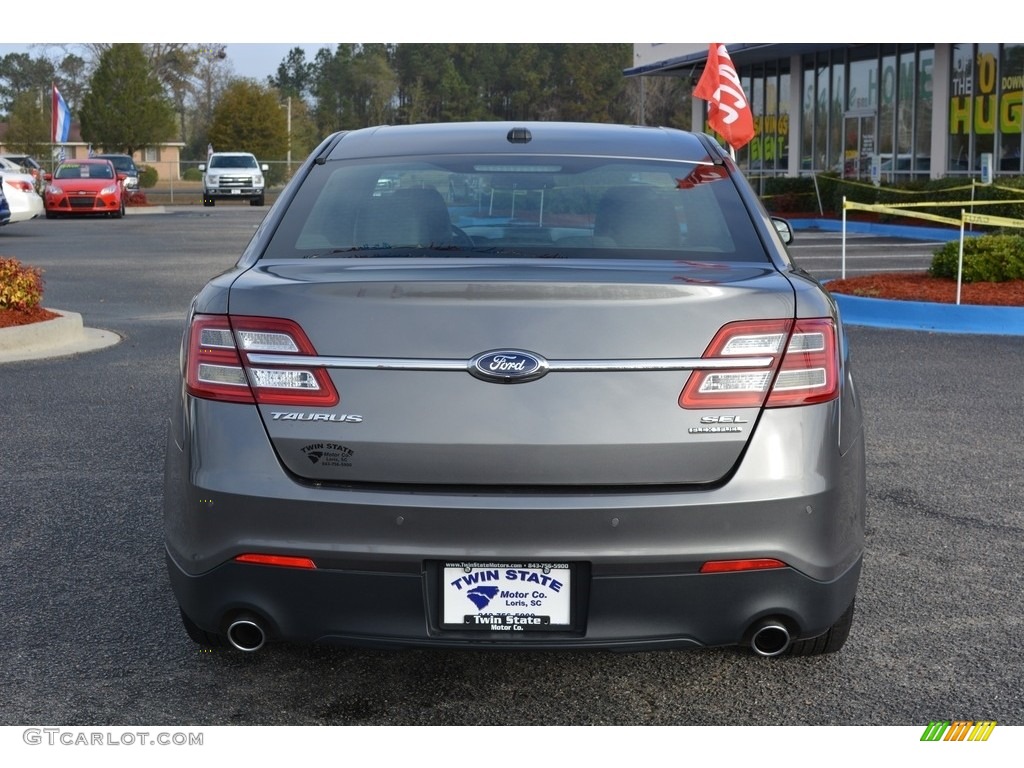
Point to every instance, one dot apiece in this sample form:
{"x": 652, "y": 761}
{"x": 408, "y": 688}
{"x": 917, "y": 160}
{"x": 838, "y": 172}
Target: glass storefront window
{"x": 783, "y": 136}
{"x": 906, "y": 91}
{"x": 837, "y": 106}
{"x": 887, "y": 118}
{"x": 986, "y": 100}
{"x": 961, "y": 107}
{"x": 923, "y": 108}
{"x": 1011, "y": 111}
{"x": 807, "y": 155}
{"x": 880, "y": 105}
{"x": 862, "y": 95}
{"x": 985, "y": 110}
{"x": 749, "y": 154}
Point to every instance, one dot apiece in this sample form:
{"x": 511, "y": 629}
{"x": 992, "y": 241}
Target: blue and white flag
{"x": 61, "y": 155}
{"x": 91, "y": 153}
{"x": 61, "y": 118}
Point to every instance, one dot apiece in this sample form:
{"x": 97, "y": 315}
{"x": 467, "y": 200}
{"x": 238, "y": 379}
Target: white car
{"x": 20, "y": 191}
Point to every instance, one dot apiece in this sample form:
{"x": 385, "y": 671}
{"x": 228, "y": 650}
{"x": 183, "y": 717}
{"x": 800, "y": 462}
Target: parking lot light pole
{"x": 289, "y": 107}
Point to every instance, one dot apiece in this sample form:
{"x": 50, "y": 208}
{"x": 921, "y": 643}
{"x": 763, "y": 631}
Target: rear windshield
{"x": 546, "y": 206}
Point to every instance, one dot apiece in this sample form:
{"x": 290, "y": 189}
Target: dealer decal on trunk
{"x": 329, "y": 454}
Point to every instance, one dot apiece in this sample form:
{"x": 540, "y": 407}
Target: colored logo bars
{"x": 958, "y": 730}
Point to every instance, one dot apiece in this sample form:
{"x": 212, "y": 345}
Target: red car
{"x": 84, "y": 187}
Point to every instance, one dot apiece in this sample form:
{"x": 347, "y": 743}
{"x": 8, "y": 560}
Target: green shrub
{"x": 21, "y": 287}
{"x": 987, "y": 259}
{"x": 192, "y": 174}
{"x": 148, "y": 177}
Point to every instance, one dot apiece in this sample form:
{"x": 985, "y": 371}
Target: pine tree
{"x": 125, "y": 108}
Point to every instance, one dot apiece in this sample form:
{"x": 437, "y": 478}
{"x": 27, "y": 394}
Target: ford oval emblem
{"x": 508, "y": 366}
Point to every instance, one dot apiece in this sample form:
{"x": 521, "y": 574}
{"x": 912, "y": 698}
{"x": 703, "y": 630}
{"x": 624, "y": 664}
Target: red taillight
{"x": 734, "y": 566}
{"x": 810, "y": 368}
{"x": 214, "y": 368}
{"x": 285, "y": 561}
{"x": 218, "y": 366}
{"x": 804, "y": 367}
{"x": 21, "y": 184}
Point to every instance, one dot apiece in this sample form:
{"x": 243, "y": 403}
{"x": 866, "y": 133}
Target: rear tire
{"x": 201, "y": 636}
{"x": 829, "y": 642}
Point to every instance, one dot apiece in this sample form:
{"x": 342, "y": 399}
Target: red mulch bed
{"x": 12, "y": 317}
{"x": 918, "y": 286}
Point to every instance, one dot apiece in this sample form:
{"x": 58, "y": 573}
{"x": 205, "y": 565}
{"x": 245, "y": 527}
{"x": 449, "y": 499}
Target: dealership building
{"x": 900, "y": 111}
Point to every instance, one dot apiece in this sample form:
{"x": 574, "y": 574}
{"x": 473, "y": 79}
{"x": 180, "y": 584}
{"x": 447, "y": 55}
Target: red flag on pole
{"x": 728, "y": 109}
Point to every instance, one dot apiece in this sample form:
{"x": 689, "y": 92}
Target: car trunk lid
{"x": 509, "y": 373}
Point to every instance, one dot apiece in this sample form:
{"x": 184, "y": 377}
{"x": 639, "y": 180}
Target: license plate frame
{"x": 507, "y": 597}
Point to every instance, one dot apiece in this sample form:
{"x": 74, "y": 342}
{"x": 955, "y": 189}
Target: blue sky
{"x": 258, "y": 60}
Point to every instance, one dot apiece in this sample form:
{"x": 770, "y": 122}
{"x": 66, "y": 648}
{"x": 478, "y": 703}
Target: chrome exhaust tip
{"x": 770, "y": 637}
{"x": 246, "y": 633}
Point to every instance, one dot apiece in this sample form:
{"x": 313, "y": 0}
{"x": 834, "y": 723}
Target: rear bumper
{"x": 615, "y": 611}
{"x": 636, "y": 555}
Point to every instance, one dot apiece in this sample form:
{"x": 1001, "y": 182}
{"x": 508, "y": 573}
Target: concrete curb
{"x": 928, "y": 316}
{"x": 904, "y": 231}
{"x": 917, "y": 315}
{"x": 64, "y": 335}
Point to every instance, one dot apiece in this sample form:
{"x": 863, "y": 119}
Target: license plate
{"x": 506, "y": 597}
{"x": 236, "y": 191}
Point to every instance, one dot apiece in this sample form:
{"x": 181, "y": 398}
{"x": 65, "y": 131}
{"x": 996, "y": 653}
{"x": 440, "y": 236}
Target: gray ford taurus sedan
{"x": 517, "y": 385}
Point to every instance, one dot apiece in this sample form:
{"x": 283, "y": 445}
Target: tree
{"x": 213, "y": 75}
{"x": 125, "y": 108}
{"x": 294, "y": 74}
{"x": 591, "y": 85}
{"x": 249, "y": 118}
{"x": 175, "y": 65}
{"x": 73, "y": 82}
{"x": 332, "y": 87}
{"x": 20, "y": 73}
{"x": 374, "y": 86}
{"x": 305, "y": 135}
{"x": 28, "y": 125}
{"x": 365, "y": 84}
{"x": 661, "y": 101}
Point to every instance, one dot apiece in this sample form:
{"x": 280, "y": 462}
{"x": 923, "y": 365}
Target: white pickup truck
{"x": 233, "y": 176}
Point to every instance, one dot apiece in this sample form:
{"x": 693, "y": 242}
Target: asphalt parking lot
{"x": 92, "y": 637}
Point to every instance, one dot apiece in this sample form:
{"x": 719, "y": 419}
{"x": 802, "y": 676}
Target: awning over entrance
{"x": 740, "y": 53}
